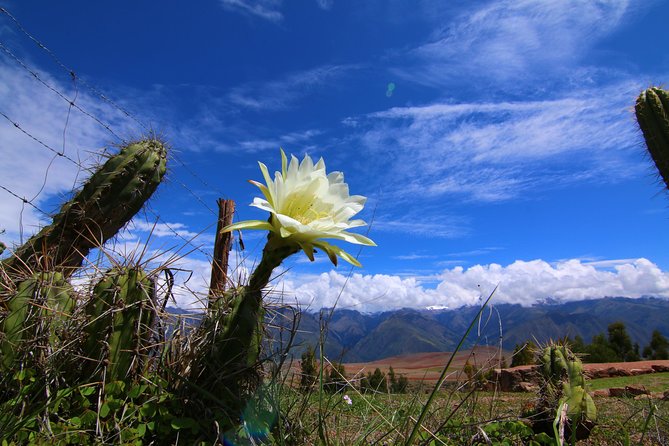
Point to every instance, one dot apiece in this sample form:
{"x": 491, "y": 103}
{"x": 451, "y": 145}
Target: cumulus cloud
{"x": 357, "y": 292}
{"x": 521, "y": 282}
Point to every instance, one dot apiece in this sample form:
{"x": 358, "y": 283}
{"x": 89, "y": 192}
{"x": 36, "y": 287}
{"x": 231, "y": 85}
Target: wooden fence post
{"x": 219, "y": 267}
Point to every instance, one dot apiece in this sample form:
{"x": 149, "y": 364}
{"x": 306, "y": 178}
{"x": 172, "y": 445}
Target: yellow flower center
{"x": 303, "y": 210}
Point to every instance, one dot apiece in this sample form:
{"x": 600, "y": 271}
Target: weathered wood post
{"x": 219, "y": 266}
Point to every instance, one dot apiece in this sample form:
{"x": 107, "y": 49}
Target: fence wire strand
{"x": 77, "y": 82}
{"x": 71, "y": 72}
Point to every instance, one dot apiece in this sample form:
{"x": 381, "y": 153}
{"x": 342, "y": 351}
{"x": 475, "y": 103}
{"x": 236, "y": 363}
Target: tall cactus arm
{"x": 120, "y": 315}
{"x": 44, "y": 299}
{"x": 652, "y": 114}
{"x": 13, "y": 327}
{"x": 106, "y": 202}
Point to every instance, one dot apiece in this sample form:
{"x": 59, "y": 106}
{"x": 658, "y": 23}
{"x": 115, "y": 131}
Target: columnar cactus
{"x": 564, "y": 383}
{"x": 106, "y": 202}
{"x": 34, "y": 294}
{"x": 652, "y": 114}
{"x": 120, "y": 314}
{"x": 38, "y": 310}
{"x": 227, "y": 367}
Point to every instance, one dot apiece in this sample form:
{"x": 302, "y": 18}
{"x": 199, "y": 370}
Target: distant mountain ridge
{"x": 361, "y": 337}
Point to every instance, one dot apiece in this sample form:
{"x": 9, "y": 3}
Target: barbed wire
{"x": 71, "y": 72}
{"x": 188, "y": 242}
{"x": 58, "y": 93}
{"x": 72, "y": 103}
{"x": 24, "y": 200}
{"x": 39, "y": 141}
{"x": 99, "y": 94}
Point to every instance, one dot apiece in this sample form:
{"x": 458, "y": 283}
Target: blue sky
{"x": 495, "y": 140}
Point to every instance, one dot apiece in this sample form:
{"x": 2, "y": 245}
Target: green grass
{"x": 654, "y": 382}
{"x": 379, "y": 419}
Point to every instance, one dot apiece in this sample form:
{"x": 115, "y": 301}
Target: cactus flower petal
{"x": 308, "y": 205}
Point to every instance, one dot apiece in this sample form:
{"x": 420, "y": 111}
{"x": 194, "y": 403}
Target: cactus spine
{"x": 37, "y": 312}
{"x": 35, "y": 292}
{"x": 121, "y": 314}
{"x": 233, "y": 329}
{"x": 564, "y": 383}
{"x": 106, "y": 202}
{"x": 652, "y": 114}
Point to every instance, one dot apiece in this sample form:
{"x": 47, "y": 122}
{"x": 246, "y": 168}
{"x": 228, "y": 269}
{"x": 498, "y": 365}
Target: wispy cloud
{"x": 474, "y": 252}
{"x": 325, "y": 4}
{"x": 508, "y": 41}
{"x": 288, "y": 139}
{"x": 439, "y": 226}
{"x": 179, "y": 231}
{"x": 283, "y": 93}
{"x": 493, "y": 151}
{"x": 414, "y": 257}
{"x": 39, "y": 174}
{"x": 264, "y": 9}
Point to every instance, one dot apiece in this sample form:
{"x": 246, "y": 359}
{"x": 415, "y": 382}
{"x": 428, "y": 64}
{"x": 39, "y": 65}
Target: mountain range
{"x": 352, "y": 336}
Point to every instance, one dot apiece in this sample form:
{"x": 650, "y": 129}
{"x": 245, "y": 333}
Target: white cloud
{"x": 175, "y": 230}
{"x": 325, "y": 4}
{"x": 522, "y": 282}
{"x": 526, "y": 282}
{"x": 510, "y": 40}
{"x": 33, "y": 171}
{"x": 358, "y": 292}
{"x": 264, "y": 9}
{"x": 285, "y": 140}
{"x": 282, "y": 93}
{"x": 493, "y": 151}
{"x": 414, "y": 257}
{"x": 442, "y": 226}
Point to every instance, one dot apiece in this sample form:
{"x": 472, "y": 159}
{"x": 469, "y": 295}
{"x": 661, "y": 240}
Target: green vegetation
{"x": 336, "y": 382}
{"x": 618, "y": 347}
{"x": 105, "y": 203}
{"x": 621, "y": 343}
{"x": 653, "y": 382}
{"x": 98, "y": 365}
{"x": 524, "y": 354}
{"x": 658, "y": 348}
{"x": 308, "y": 370}
{"x": 397, "y": 385}
{"x": 457, "y": 417}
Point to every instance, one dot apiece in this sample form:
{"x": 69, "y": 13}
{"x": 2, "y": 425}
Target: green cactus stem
{"x": 37, "y": 311}
{"x": 242, "y": 332}
{"x": 652, "y": 114}
{"x": 121, "y": 314}
{"x": 564, "y": 383}
{"x": 228, "y": 368}
{"x": 105, "y": 203}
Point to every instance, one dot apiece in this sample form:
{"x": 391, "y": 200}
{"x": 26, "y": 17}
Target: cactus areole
{"x": 652, "y": 114}
{"x": 105, "y": 203}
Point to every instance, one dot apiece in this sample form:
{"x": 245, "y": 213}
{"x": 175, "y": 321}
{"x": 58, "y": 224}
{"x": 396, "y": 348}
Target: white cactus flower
{"x": 306, "y": 206}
